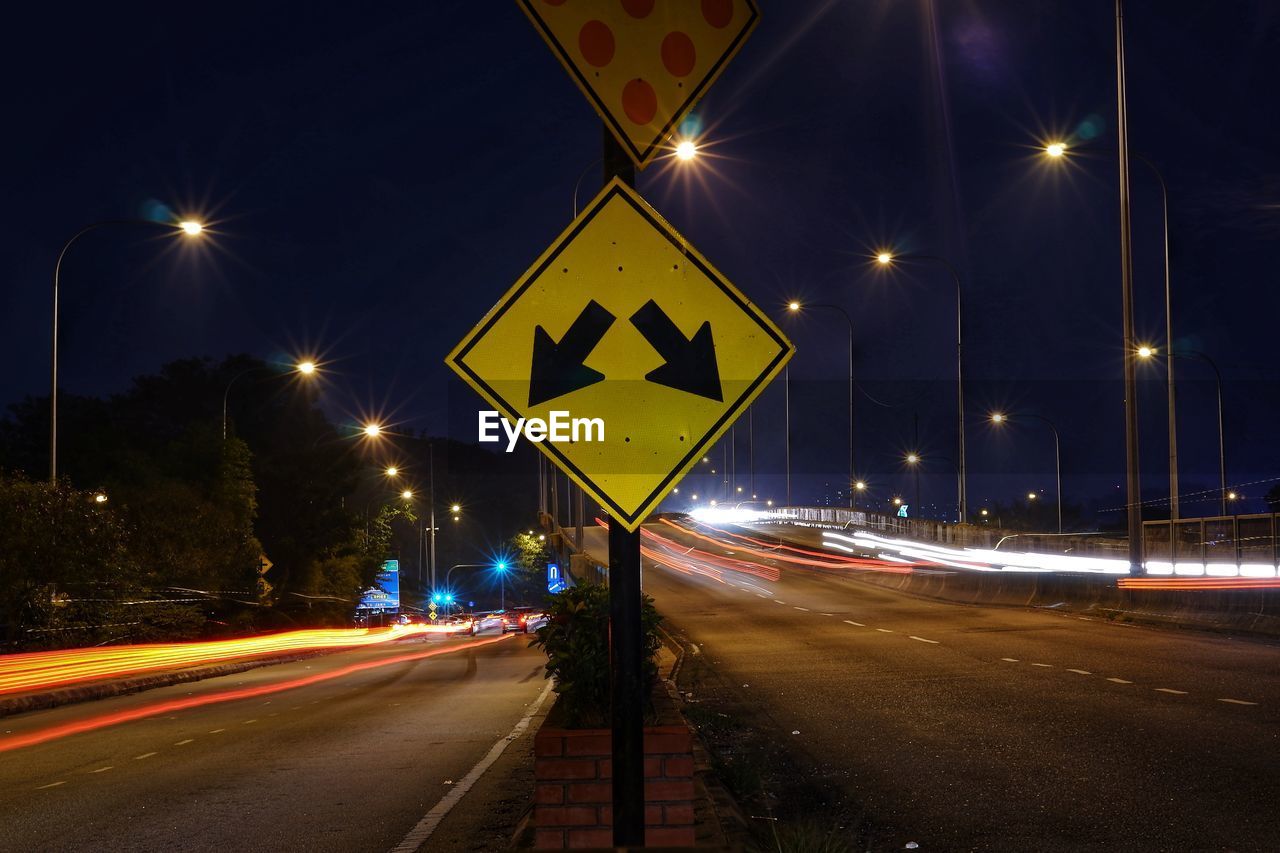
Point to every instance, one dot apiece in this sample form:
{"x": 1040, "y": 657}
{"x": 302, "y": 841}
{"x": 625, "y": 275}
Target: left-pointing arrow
{"x": 558, "y": 368}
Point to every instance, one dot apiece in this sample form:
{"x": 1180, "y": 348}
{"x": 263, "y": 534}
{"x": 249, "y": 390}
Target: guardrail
{"x": 1222, "y": 539}
{"x": 958, "y": 535}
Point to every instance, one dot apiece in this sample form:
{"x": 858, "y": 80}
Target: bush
{"x": 576, "y": 642}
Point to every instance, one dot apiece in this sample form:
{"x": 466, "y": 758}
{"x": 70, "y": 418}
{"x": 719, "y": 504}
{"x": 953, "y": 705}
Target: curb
{"x": 24, "y": 703}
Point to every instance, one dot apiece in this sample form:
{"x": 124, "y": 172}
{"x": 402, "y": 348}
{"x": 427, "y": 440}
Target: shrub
{"x": 576, "y": 642}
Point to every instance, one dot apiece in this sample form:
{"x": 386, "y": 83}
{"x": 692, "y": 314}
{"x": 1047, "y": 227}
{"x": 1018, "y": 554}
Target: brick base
{"x": 573, "y": 770}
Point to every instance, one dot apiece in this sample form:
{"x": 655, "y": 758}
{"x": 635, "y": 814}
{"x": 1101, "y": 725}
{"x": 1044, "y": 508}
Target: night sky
{"x": 377, "y": 176}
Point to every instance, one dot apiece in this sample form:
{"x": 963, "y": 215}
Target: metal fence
{"x": 1231, "y": 539}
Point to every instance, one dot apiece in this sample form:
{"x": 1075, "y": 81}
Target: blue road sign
{"x": 385, "y": 592}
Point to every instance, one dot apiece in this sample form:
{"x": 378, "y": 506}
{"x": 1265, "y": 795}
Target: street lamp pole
{"x": 1217, "y": 376}
{"x": 999, "y": 418}
{"x": 796, "y": 306}
{"x": 189, "y": 228}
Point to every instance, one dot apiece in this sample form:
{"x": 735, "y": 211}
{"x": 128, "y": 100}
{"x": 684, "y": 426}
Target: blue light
{"x": 502, "y": 567}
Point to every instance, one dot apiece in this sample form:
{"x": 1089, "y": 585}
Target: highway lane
{"x": 997, "y": 728}
{"x": 347, "y": 764}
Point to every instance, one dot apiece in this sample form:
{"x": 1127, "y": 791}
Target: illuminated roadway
{"x": 992, "y": 728}
{"x": 350, "y": 763}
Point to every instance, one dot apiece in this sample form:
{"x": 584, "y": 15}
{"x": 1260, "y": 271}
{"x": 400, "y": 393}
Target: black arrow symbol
{"x": 558, "y": 367}
{"x": 691, "y": 362}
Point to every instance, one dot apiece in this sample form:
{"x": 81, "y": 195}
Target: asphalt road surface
{"x": 989, "y": 728}
{"x": 352, "y": 763}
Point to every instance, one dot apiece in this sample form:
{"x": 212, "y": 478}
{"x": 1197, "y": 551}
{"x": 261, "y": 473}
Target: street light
{"x": 686, "y": 150}
{"x": 100, "y": 498}
{"x": 913, "y": 459}
{"x": 1001, "y": 418}
{"x": 392, "y": 471}
{"x": 1031, "y": 496}
{"x": 795, "y": 308}
{"x": 372, "y": 430}
{"x": 501, "y": 568}
{"x": 407, "y": 494}
{"x": 305, "y": 368}
{"x": 189, "y": 228}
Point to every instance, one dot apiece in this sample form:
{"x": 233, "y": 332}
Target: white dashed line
{"x": 1080, "y": 671}
{"x": 144, "y": 755}
{"x": 50, "y": 785}
{"x": 776, "y": 601}
{"x": 851, "y": 622}
{"x": 100, "y": 770}
{"x": 215, "y": 731}
{"x": 922, "y": 639}
{"x": 798, "y": 607}
{"x": 1010, "y": 660}
{"x": 828, "y": 614}
{"x": 1169, "y": 690}
{"x": 884, "y": 630}
{"x": 1237, "y": 702}
{"x": 185, "y": 742}
{"x": 759, "y": 595}
{"x": 1119, "y": 681}
{"x": 247, "y": 722}
{"x": 1045, "y": 665}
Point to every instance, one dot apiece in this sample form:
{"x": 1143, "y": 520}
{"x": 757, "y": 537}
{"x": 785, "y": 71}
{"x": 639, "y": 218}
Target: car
{"x": 485, "y": 623}
{"x": 525, "y": 619}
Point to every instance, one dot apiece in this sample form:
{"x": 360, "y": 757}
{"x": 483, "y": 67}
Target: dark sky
{"x": 380, "y": 174}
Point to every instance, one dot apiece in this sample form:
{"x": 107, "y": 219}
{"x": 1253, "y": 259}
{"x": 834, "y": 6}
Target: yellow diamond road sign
{"x": 621, "y": 320}
{"x": 643, "y": 64}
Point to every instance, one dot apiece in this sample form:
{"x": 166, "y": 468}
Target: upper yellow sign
{"x": 643, "y": 64}
{"x": 621, "y": 320}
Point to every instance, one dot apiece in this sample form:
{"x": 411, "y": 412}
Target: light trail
{"x": 102, "y": 721}
{"x": 65, "y": 667}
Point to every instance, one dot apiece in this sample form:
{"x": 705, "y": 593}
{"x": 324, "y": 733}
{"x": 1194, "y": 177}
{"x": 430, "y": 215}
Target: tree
{"x": 1272, "y": 498}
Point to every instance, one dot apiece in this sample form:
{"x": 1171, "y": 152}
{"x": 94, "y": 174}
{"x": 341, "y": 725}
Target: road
{"x": 988, "y": 728}
{"x": 349, "y": 763}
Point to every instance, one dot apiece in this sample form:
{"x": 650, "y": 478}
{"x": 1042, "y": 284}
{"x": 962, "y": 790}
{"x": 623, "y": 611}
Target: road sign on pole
{"x": 623, "y": 321}
{"x": 643, "y": 64}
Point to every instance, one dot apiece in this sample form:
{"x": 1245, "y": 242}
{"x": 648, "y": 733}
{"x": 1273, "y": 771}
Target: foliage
{"x": 55, "y": 537}
{"x": 576, "y": 642}
{"x": 1272, "y": 498}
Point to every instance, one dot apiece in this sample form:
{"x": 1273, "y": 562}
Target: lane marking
{"x": 215, "y": 731}
{"x": 1010, "y": 660}
{"x": 1237, "y": 702}
{"x": 1080, "y": 671}
{"x": 247, "y": 722}
{"x": 922, "y": 639}
{"x": 1168, "y": 690}
{"x": 51, "y": 785}
{"x": 100, "y": 770}
{"x": 1045, "y": 665}
{"x": 420, "y": 833}
{"x": 1119, "y": 681}
{"x": 851, "y": 622}
{"x": 798, "y": 607}
{"x": 760, "y": 595}
{"x": 144, "y": 755}
{"x": 185, "y": 742}
{"x": 828, "y": 614}
{"x": 775, "y": 601}
{"x": 884, "y": 630}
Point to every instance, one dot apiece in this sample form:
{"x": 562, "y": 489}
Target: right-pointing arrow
{"x": 558, "y": 368}
{"x": 691, "y": 362}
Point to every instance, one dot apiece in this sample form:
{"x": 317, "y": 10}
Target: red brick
{"x": 593, "y": 744}
{"x": 548, "y": 746}
{"x": 590, "y": 792}
{"x": 548, "y": 794}
{"x": 546, "y": 769}
{"x": 652, "y": 767}
{"x": 669, "y": 837}
{"x": 606, "y": 768}
{"x": 669, "y": 790}
{"x": 565, "y": 816}
{"x": 678, "y": 814}
{"x": 549, "y": 839}
{"x": 679, "y": 766}
{"x": 580, "y": 838}
{"x": 680, "y": 743}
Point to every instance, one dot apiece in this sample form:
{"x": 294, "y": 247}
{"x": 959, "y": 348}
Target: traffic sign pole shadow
{"x": 626, "y": 698}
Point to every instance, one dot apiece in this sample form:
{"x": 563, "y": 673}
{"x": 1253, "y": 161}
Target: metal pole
{"x": 1168, "y": 332}
{"x": 751, "y": 449}
{"x": 786, "y": 393}
{"x": 431, "y": 494}
{"x": 626, "y": 697}
{"x": 1133, "y": 490}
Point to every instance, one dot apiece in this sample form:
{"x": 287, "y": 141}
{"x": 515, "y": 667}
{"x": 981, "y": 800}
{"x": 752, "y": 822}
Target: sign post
{"x": 623, "y": 322}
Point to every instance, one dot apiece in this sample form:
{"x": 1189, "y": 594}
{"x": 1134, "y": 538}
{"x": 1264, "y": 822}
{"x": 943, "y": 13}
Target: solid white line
{"x": 1010, "y": 660}
{"x": 420, "y": 833}
{"x": 50, "y": 785}
{"x": 1080, "y": 671}
{"x": 922, "y": 639}
{"x": 1119, "y": 681}
{"x": 144, "y": 755}
{"x": 851, "y": 622}
{"x": 1237, "y": 702}
{"x": 1174, "y": 692}
{"x": 184, "y": 742}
